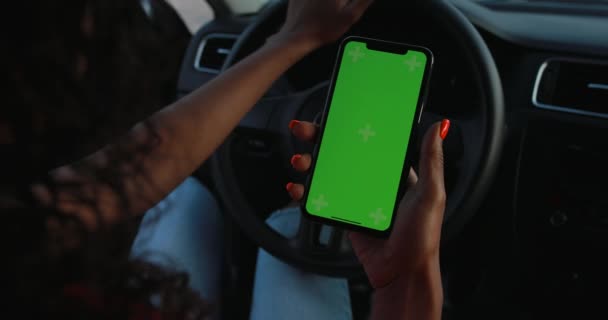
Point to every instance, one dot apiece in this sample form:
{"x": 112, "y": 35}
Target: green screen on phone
{"x": 363, "y": 147}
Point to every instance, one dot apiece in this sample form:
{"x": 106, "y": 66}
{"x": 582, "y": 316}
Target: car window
{"x": 195, "y": 13}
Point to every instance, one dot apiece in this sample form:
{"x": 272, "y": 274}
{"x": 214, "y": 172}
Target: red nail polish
{"x": 445, "y": 128}
{"x": 293, "y": 123}
{"x": 295, "y": 158}
{"x": 289, "y": 186}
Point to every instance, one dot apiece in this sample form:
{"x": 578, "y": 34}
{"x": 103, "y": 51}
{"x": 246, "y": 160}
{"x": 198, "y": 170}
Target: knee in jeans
{"x": 285, "y": 221}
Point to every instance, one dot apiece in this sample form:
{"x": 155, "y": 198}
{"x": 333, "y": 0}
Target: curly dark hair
{"x": 79, "y": 73}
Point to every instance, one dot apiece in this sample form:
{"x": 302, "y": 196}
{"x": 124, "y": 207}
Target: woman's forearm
{"x": 192, "y": 128}
{"x": 162, "y": 151}
{"x": 416, "y": 297}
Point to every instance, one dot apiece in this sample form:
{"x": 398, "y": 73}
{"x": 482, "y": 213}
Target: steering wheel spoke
{"x": 318, "y": 239}
{"x": 469, "y": 135}
{"x": 260, "y": 115}
{"x": 272, "y": 114}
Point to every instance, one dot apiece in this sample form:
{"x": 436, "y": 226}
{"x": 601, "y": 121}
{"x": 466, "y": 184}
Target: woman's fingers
{"x": 301, "y": 162}
{"x": 295, "y": 190}
{"x": 303, "y": 130}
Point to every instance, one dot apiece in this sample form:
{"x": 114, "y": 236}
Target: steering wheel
{"x": 472, "y": 149}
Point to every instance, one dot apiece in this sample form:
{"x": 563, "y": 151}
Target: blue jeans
{"x": 183, "y": 232}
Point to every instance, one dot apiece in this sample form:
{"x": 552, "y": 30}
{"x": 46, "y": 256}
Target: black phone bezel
{"x": 387, "y": 46}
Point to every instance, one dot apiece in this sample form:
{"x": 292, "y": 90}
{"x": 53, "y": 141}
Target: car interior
{"x": 525, "y": 84}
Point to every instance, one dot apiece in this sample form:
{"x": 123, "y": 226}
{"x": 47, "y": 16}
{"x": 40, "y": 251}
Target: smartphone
{"x": 362, "y": 157}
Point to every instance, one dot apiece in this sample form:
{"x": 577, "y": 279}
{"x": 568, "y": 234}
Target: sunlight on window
{"x": 195, "y": 13}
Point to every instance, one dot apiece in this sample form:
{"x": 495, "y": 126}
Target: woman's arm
{"x": 162, "y": 151}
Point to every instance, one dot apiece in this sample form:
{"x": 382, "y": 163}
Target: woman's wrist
{"x": 298, "y": 42}
{"x": 415, "y": 295}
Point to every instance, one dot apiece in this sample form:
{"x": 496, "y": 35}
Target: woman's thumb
{"x": 431, "y": 155}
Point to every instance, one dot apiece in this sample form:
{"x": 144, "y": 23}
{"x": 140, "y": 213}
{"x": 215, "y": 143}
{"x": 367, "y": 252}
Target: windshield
{"x": 245, "y": 6}
{"x": 194, "y": 13}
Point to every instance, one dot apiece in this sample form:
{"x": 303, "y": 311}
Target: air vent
{"x": 213, "y": 51}
{"x": 573, "y": 86}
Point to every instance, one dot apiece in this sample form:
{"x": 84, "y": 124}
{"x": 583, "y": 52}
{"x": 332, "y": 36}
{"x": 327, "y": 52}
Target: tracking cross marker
{"x": 319, "y": 203}
{"x": 413, "y": 63}
{"x": 367, "y": 132}
{"x": 377, "y": 216}
{"x": 356, "y": 54}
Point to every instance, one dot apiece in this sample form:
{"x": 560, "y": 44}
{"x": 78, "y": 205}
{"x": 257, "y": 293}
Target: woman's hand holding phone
{"x": 404, "y": 268}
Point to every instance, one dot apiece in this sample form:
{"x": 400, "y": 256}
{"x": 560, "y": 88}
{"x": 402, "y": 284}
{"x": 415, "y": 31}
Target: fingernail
{"x": 289, "y": 186}
{"x": 295, "y": 158}
{"x": 293, "y": 123}
{"x": 445, "y": 128}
